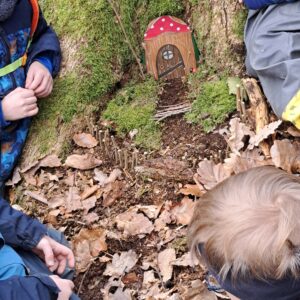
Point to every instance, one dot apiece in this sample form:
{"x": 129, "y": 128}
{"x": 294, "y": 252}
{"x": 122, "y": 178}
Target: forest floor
{"x": 127, "y": 218}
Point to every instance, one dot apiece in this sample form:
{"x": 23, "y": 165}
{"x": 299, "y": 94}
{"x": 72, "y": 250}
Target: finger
{"x": 31, "y": 107}
{"x": 29, "y": 79}
{"x": 62, "y": 265}
{"x": 30, "y": 100}
{"x": 55, "y": 266}
{"x": 38, "y": 78}
{"x": 43, "y": 86}
{"x": 71, "y": 259}
{"x": 26, "y": 93}
{"x": 31, "y": 114}
{"x": 47, "y": 90}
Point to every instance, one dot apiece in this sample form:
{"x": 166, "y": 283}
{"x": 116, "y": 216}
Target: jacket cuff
{"x": 3, "y": 122}
{"x": 47, "y": 281}
{"x": 46, "y": 62}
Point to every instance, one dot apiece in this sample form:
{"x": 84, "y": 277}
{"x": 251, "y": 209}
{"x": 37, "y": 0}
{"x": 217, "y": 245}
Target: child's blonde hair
{"x": 250, "y": 225}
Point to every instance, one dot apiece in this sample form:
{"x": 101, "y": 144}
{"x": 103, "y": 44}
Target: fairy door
{"x": 169, "y": 63}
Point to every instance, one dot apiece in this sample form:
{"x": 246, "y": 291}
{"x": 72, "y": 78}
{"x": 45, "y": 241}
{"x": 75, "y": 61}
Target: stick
{"x": 111, "y": 2}
{"x": 125, "y": 160}
{"x": 100, "y": 138}
{"x": 36, "y": 197}
{"x": 238, "y": 98}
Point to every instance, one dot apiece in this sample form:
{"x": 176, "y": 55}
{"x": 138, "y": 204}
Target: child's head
{"x": 249, "y": 225}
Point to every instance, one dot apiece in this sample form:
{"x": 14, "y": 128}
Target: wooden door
{"x": 169, "y": 63}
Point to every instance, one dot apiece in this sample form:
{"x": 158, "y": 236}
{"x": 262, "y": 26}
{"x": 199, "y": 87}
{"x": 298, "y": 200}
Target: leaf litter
{"x": 126, "y": 227}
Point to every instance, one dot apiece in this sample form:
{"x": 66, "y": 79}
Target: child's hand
{"x": 65, "y": 286}
{"x": 19, "y": 104}
{"x": 54, "y": 254}
{"x": 39, "y": 80}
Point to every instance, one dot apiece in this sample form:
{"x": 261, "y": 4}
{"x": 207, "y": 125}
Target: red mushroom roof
{"x": 165, "y": 24}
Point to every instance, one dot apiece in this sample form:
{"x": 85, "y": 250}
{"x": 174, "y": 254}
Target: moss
{"x": 101, "y": 56}
{"x": 133, "y": 108}
{"x": 239, "y": 23}
{"x": 212, "y": 105}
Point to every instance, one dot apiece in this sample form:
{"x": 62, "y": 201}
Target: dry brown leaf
{"x": 166, "y": 168}
{"x": 73, "y": 200}
{"x": 238, "y": 131}
{"x": 89, "y": 192}
{"x": 112, "y": 192}
{"x": 164, "y": 219}
{"x": 263, "y": 134}
{"x": 121, "y": 264}
{"x": 36, "y": 196}
{"x": 50, "y": 161}
{"x": 16, "y": 178}
{"x": 103, "y": 179}
{"x": 130, "y": 278}
{"x": 183, "y": 212}
{"x": 88, "y": 204}
{"x": 164, "y": 262}
{"x": 245, "y": 161}
{"x": 185, "y": 261}
{"x": 85, "y": 140}
{"x": 198, "y": 291}
{"x": 293, "y": 131}
{"x": 210, "y": 174}
{"x": 151, "y": 211}
{"x": 87, "y": 245}
{"x": 132, "y": 223}
{"x": 192, "y": 189}
{"x": 286, "y": 155}
{"x": 57, "y": 201}
{"x": 82, "y": 162}
{"x": 91, "y": 218}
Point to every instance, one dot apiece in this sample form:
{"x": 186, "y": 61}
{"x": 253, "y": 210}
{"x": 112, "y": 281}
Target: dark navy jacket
{"x": 19, "y": 230}
{"x": 258, "y": 4}
{"x": 14, "y": 35}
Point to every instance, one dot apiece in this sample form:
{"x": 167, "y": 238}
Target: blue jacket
{"x": 14, "y": 35}
{"x": 19, "y": 230}
{"x": 258, "y": 4}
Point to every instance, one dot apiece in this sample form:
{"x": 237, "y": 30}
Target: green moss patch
{"x": 133, "y": 108}
{"x": 212, "y": 105}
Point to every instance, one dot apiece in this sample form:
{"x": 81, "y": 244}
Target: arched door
{"x": 169, "y": 63}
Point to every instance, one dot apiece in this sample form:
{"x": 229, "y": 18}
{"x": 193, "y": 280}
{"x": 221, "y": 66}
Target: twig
{"x": 36, "y": 197}
{"x": 171, "y": 111}
{"x": 127, "y": 38}
{"x": 83, "y": 277}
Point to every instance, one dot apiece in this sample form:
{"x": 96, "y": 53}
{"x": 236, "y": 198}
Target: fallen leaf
{"x": 121, "y": 264}
{"x": 16, "y": 178}
{"x": 165, "y": 168}
{"x": 293, "y": 131}
{"x": 85, "y": 140}
{"x": 210, "y": 174}
{"x": 164, "y": 219}
{"x": 91, "y": 218}
{"x": 149, "y": 278}
{"x": 263, "y": 134}
{"x": 245, "y": 161}
{"x": 132, "y": 223}
{"x": 89, "y": 192}
{"x": 36, "y": 196}
{"x": 112, "y": 192}
{"x": 56, "y": 201}
{"x": 73, "y": 200}
{"x": 198, "y": 291}
{"x": 183, "y": 212}
{"x": 238, "y": 131}
{"x": 82, "y": 162}
{"x": 50, "y": 161}
{"x": 103, "y": 179}
{"x": 88, "y": 204}
{"x": 286, "y": 155}
{"x": 87, "y": 245}
{"x": 164, "y": 262}
{"x": 151, "y": 211}
{"x": 192, "y": 189}
{"x": 130, "y": 278}
{"x": 185, "y": 261}
{"x": 233, "y": 82}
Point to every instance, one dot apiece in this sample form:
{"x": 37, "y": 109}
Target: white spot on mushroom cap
{"x": 161, "y": 28}
{"x": 164, "y": 20}
{"x": 152, "y": 27}
{"x": 145, "y": 35}
{"x": 171, "y": 24}
{"x": 178, "y": 28}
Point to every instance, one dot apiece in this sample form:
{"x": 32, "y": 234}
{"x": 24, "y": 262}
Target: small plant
{"x": 212, "y": 105}
{"x": 239, "y": 21}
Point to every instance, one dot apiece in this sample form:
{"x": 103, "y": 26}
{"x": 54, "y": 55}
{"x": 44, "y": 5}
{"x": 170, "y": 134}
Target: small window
{"x": 168, "y": 55}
